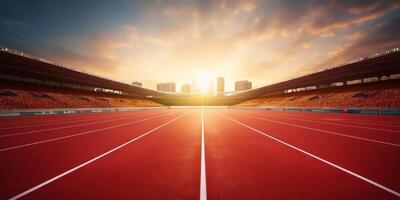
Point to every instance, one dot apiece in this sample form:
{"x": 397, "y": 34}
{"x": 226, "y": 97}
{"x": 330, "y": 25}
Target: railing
{"x": 8, "y": 50}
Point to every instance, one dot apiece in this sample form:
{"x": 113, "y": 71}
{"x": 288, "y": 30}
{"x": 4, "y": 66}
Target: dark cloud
{"x": 12, "y": 23}
{"x": 379, "y": 38}
{"x": 385, "y": 35}
{"x": 318, "y": 18}
{"x": 59, "y": 54}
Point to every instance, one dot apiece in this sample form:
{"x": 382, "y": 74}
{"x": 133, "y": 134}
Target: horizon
{"x": 154, "y": 42}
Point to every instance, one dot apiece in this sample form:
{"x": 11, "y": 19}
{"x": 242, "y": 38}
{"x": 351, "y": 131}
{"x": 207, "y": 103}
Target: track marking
{"x": 90, "y": 161}
{"x": 78, "y": 134}
{"x": 340, "y": 124}
{"x": 357, "y": 120}
{"x": 342, "y": 120}
{"x": 203, "y": 186}
{"x": 345, "y": 125}
{"x": 385, "y": 123}
{"x": 318, "y": 158}
{"x": 32, "y": 124}
{"x": 46, "y": 123}
{"x": 59, "y": 122}
{"x": 76, "y": 125}
{"x": 324, "y": 131}
{"x": 4, "y": 120}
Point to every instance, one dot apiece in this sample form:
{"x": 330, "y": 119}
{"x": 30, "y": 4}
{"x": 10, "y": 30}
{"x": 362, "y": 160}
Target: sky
{"x": 153, "y": 41}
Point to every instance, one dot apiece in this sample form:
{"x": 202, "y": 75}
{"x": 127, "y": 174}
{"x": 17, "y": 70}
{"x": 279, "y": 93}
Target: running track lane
{"x": 391, "y": 135}
{"x": 375, "y": 161}
{"x": 351, "y": 119}
{"x": 24, "y": 167}
{"x": 51, "y": 134}
{"x": 162, "y": 165}
{"x": 28, "y": 120}
{"x": 333, "y": 119}
{"x": 51, "y": 124}
{"x": 243, "y": 164}
{"x": 240, "y": 163}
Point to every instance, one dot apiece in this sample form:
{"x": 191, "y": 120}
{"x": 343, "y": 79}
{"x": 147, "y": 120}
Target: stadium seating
{"x": 29, "y": 96}
{"x": 384, "y": 94}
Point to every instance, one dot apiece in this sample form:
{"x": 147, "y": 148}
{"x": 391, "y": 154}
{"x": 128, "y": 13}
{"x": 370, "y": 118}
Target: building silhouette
{"x": 243, "y": 85}
{"x": 186, "y": 88}
{"x": 220, "y": 86}
{"x": 136, "y": 83}
{"x": 210, "y": 90}
{"x": 195, "y": 89}
{"x": 166, "y": 87}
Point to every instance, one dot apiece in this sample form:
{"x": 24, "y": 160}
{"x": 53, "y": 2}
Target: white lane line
{"x": 387, "y": 123}
{"x": 90, "y": 161}
{"x": 45, "y": 123}
{"x": 6, "y": 127}
{"x": 58, "y": 121}
{"x": 318, "y": 158}
{"x": 357, "y": 122}
{"x": 76, "y": 125}
{"x": 78, "y": 134}
{"x": 341, "y": 124}
{"x": 324, "y": 131}
{"x": 203, "y": 186}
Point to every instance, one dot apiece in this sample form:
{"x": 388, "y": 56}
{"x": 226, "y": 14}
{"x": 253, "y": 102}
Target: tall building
{"x": 220, "y": 86}
{"x": 166, "y": 87}
{"x": 136, "y": 83}
{"x": 242, "y": 85}
{"x": 210, "y": 90}
{"x": 194, "y": 86}
{"x": 186, "y": 88}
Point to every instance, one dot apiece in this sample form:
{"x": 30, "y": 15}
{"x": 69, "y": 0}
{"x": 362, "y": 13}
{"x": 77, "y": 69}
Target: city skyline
{"x": 202, "y": 84}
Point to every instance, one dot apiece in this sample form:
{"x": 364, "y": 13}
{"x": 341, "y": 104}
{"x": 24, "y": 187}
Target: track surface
{"x": 200, "y": 154}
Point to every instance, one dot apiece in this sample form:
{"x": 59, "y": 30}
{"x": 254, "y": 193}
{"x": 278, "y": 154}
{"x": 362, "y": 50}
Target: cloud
{"x": 260, "y": 40}
{"x": 317, "y": 18}
{"x": 12, "y": 23}
{"x": 222, "y": 36}
{"x": 91, "y": 64}
{"x": 382, "y": 37}
{"x": 338, "y": 15}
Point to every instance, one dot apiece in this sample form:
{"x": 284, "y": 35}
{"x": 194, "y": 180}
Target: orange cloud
{"x": 258, "y": 40}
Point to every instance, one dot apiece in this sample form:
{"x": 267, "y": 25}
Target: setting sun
{"x": 204, "y": 82}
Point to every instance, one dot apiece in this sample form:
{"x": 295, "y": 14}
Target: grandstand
{"x": 14, "y": 95}
{"x": 370, "y": 82}
{"x": 36, "y": 83}
{"x": 383, "y": 94}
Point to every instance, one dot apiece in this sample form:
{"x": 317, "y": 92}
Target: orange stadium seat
{"x": 385, "y": 94}
{"x": 20, "y": 96}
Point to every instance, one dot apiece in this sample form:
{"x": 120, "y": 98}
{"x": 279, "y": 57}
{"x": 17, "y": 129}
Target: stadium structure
{"x": 36, "y": 83}
{"x": 68, "y": 134}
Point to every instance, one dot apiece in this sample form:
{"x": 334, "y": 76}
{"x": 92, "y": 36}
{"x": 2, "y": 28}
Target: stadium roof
{"x": 22, "y": 65}
{"x": 386, "y": 63}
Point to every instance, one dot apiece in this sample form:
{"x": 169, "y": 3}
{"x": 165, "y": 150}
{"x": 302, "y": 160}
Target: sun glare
{"x": 203, "y": 82}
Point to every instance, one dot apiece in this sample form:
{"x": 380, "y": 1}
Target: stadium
{"x": 330, "y": 133}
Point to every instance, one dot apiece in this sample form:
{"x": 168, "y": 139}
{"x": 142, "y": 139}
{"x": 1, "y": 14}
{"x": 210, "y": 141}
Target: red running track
{"x": 200, "y": 154}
